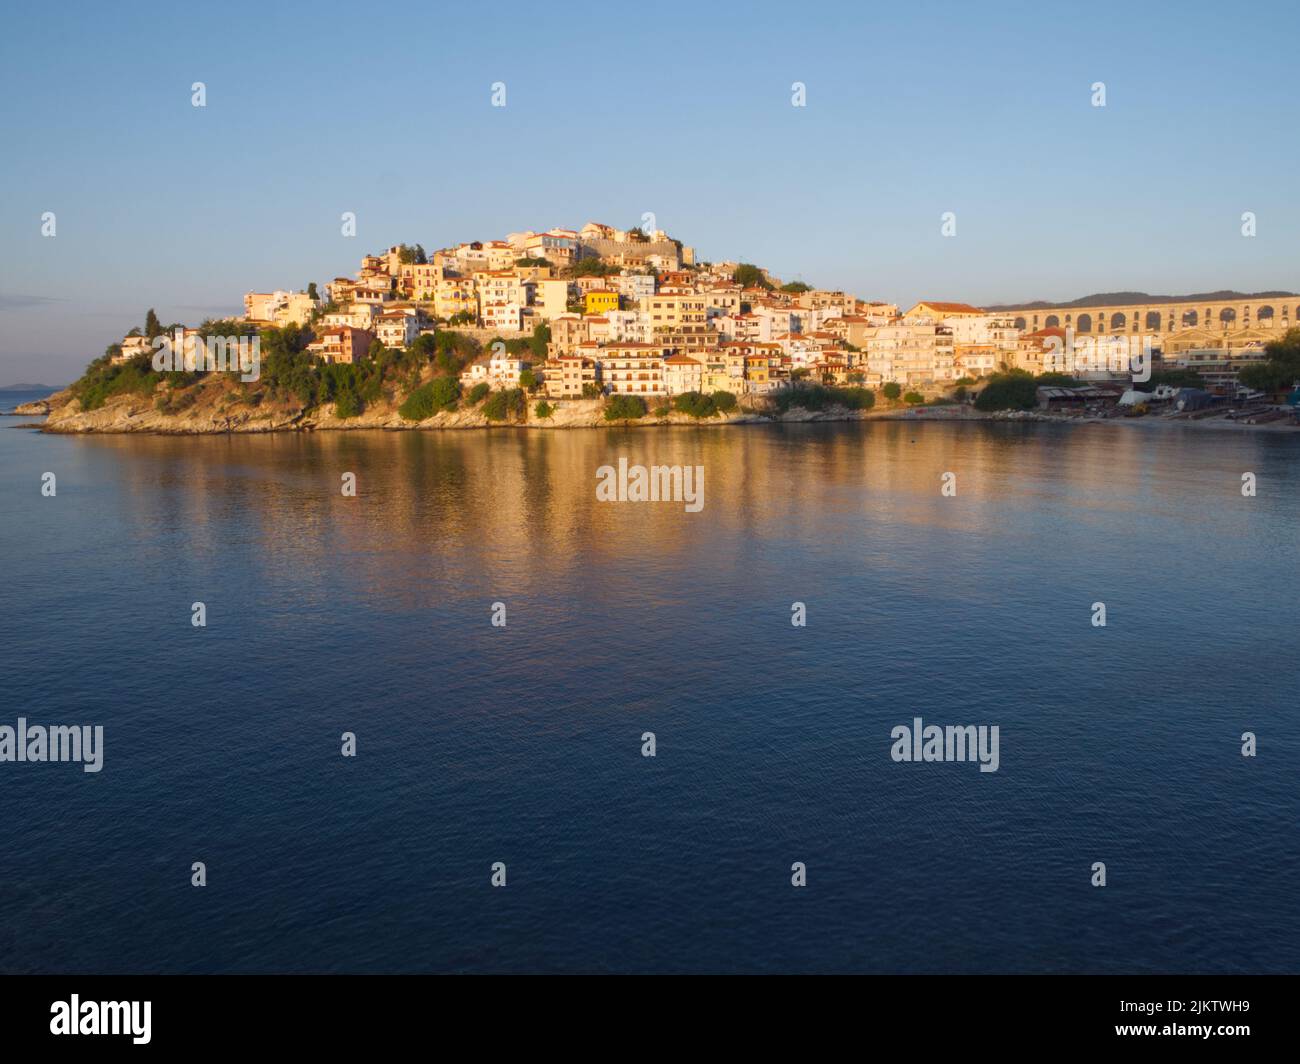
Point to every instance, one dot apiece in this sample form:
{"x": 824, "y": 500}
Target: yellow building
{"x": 601, "y": 300}
{"x": 937, "y": 311}
{"x": 453, "y": 295}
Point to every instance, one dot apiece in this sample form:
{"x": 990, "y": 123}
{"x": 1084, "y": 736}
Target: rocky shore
{"x": 208, "y": 416}
{"x": 216, "y": 414}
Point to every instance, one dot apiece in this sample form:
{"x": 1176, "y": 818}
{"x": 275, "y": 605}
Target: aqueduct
{"x": 1263, "y": 315}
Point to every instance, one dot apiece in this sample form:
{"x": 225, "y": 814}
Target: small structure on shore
{"x": 1080, "y": 398}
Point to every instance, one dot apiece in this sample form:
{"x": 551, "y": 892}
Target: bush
{"x": 477, "y": 393}
{"x": 695, "y": 404}
{"x": 819, "y": 397}
{"x": 429, "y": 399}
{"x": 347, "y": 404}
{"x": 501, "y": 405}
{"x": 891, "y": 391}
{"x": 543, "y": 409}
{"x": 855, "y": 398}
{"x": 103, "y": 380}
{"x": 662, "y": 410}
{"x": 592, "y": 391}
{"x": 1008, "y": 391}
{"x": 914, "y": 398}
{"x": 724, "y": 401}
{"x": 624, "y": 408}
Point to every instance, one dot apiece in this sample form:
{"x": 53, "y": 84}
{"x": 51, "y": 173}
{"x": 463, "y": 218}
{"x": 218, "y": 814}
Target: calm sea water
{"x": 479, "y": 744}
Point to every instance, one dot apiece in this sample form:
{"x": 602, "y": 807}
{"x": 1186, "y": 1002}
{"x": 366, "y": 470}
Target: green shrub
{"x": 1008, "y": 391}
{"x": 855, "y": 398}
{"x": 624, "y": 408}
{"x": 818, "y": 397}
{"x": 501, "y": 405}
{"x": 477, "y": 393}
{"x": 662, "y": 410}
{"x": 347, "y": 404}
{"x": 695, "y": 404}
{"x": 724, "y": 401}
{"x": 891, "y": 391}
{"x": 102, "y": 380}
{"x": 914, "y": 398}
{"x": 543, "y": 409}
{"x": 428, "y": 399}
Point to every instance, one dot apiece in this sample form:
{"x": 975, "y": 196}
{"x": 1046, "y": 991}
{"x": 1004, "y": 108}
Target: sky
{"x": 682, "y": 110}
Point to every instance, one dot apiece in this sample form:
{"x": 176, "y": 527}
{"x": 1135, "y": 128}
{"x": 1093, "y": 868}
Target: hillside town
{"x": 610, "y": 312}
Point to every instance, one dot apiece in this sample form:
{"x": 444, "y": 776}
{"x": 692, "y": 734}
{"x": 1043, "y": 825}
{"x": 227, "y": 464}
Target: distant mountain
{"x": 32, "y": 387}
{"x": 1133, "y": 299}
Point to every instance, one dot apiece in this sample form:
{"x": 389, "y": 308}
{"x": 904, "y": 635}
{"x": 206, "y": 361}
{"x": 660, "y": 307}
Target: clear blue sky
{"x": 681, "y": 109}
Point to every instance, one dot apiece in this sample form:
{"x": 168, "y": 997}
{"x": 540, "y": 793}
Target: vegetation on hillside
{"x": 816, "y": 397}
{"x": 624, "y": 408}
{"x": 747, "y": 275}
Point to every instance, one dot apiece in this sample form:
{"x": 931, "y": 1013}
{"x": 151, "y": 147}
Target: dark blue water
{"x": 522, "y": 745}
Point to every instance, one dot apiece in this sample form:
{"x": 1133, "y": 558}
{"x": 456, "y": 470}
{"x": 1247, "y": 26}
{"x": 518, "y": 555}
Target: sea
{"x": 499, "y": 643}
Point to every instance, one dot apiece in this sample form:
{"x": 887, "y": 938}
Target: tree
{"x": 528, "y": 380}
{"x": 540, "y": 340}
{"x": 593, "y": 268}
{"x": 311, "y": 290}
{"x": 501, "y": 405}
{"x": 1281, "y": 367}
{"x": 695, "y": 404}
{"x": 477, "y": 393}
{"x": 152, "y": 326}
{"x": 286, "y": 365}
{"x": 724, "y": 401}
{"x": 891, "y": 391}
{"x": 794, "y": 288}
{"x": 441, "y": 393}
{"x": 347, "y": 404}
{"x": 1008, "y": 391}
{"x": 424, "y": 346}
{"x": 625, "y": 408}
{"x": 914, "y": 398}
{"x": 747, "y": 275}
{"x": 543, "y": 409}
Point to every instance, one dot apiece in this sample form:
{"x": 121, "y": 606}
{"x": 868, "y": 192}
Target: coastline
{"x": 129, "y": 414}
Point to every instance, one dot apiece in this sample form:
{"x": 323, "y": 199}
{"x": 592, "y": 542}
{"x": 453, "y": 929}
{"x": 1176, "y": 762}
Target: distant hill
{"x": 32, "y": 387}
{"x": 1133, "y": 299}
